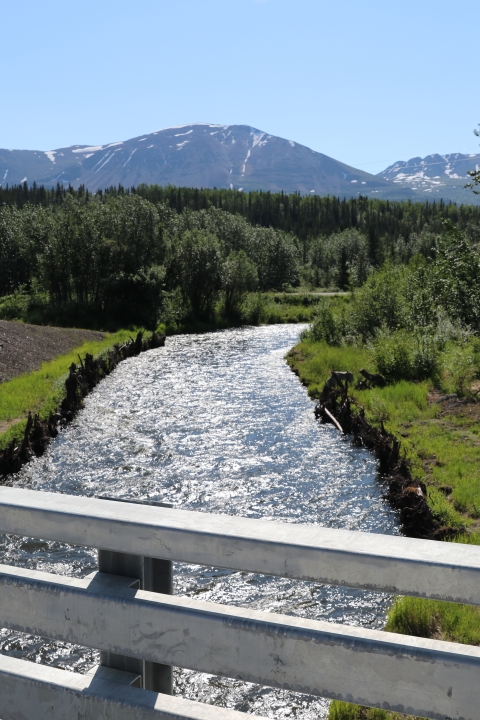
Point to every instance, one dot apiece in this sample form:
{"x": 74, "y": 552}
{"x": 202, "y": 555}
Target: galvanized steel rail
{"x": 427, "y": 678}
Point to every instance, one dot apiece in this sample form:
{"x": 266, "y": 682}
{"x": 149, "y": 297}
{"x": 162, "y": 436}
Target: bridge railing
{"x": 142, "y": 632}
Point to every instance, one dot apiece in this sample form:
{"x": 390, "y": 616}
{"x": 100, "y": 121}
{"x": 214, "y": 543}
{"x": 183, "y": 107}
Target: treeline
{"x": 134, "y": 256}
{"x": 121, "y": 259}
{"x": 306, "y": 217}
{"x": 311, "y": 216}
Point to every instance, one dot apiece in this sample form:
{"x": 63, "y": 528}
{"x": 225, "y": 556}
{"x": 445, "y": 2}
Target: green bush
{"x": 405, "y": 356}
{"x": 14, "y": 306}
{"x": 328, "y": 325}
{"x": 382, "y": 302}
{"x": 255, "y": 310}
{"x": 458, "y": 368}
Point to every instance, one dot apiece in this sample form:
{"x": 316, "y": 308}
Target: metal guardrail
{"x": 147, "y": 632}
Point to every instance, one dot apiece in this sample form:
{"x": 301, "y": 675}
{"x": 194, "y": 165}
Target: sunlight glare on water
{"x": 214, "y": 423}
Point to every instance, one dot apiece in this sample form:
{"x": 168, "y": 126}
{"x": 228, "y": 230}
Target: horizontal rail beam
{"x": 416, "y": 676}
{"x": 31, "y": 691}
{"x": 423, "y": 568}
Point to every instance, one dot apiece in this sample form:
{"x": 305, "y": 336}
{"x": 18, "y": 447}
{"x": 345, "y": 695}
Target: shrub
{"x": 382, "y": 302}
{"x": 458, "y": 369}
{"x": 404, "y": 356}
{"x": 328, "y": 326}
{"x": 255, "y": 310}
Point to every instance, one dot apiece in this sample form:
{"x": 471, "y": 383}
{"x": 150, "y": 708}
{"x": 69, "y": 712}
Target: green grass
{"x": 434, "y": 619}
{"x": 345, "y": 711}
{"x": 315, "y": 361}
{"x": 443, "y": 451}
{"x": 42, "y": 390}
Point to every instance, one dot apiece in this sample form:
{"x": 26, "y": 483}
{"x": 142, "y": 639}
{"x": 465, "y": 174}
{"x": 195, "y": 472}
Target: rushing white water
{"x": 216, "y": 423}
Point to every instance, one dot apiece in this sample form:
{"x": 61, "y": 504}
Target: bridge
{"x": 127, "y": 611}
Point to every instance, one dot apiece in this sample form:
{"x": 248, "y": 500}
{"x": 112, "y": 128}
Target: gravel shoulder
{"x": 23, "y": 347}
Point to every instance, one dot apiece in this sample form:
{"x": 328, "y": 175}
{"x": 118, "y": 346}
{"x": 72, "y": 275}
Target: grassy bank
{"x": 442, "y": 442}
{"x": 41, "y": 391}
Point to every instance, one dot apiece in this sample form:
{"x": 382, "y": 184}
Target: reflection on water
{"x": 215, "y": 423}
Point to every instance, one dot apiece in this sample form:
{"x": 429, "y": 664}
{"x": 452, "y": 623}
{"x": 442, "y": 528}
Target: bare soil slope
{"x": 23, "y": 348}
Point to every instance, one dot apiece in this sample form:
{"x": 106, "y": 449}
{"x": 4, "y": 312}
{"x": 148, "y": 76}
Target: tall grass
{"x": 314, "y": 362}
{"x": 434, "y": 619}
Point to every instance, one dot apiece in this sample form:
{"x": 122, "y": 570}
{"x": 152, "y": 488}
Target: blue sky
{"x": 367, "y": 82}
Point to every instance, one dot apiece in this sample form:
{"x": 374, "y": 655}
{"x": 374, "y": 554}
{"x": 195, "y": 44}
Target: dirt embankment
{"x": 23, "y": 348}
{"x": 405, "y": 493}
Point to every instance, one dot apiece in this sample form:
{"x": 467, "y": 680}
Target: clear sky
{"x": 367, "y": 82}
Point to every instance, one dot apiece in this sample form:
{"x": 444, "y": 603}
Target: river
{"x": 215, "y": 423}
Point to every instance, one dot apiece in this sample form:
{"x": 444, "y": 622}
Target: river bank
{"x": 439, "y": 437}
{"x": 57, "y": 396}
{"x": 34, "y": 359}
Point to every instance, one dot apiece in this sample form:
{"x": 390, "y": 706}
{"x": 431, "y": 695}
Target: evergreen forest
{"x": 149, "y": 254}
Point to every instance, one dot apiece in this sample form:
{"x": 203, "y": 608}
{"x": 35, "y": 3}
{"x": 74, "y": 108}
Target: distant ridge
{"x": 198, "y": 155}
{"x": 436, "y": 175}
{"x": 224, "y": 156}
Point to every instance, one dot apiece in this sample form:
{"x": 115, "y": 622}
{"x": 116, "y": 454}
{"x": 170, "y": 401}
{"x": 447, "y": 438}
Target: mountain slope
{"x": 198, "y": 155}
{"x": 438, "y": 175}
{"x": 235, "y": 156}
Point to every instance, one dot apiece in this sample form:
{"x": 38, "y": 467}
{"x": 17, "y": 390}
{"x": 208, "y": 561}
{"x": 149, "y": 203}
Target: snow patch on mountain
{"x": 245, "y": 162}
{"x": 450, "y": 173}
{"x": 258, "y": 140}
{"x": 130, "y": 156}
{"x": 91, "y": 149}
{"x": 51, "y": 155}
{"x": 432, "y": 170}
{"x": 109, "y": 157}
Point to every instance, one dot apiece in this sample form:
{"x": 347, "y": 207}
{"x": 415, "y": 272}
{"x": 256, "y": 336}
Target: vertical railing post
{"x": 154, "y": 575}
{"x": 158, "y": 577}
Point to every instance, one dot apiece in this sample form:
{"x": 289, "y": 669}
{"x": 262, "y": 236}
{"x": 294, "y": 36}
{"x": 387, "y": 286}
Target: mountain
{"x": 235, "y": 156}
{"x": 198, "y": 155}
{"x": 434, "y": 175}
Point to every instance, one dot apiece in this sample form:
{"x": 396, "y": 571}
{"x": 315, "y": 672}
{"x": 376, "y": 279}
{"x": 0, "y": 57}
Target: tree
{"x": 196, "y": 265}
{"x": 455, "y": 283}
{"x": 474, "y": 174}
{"x": 239, "y": 277}
{"x": 136, "y": 298}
